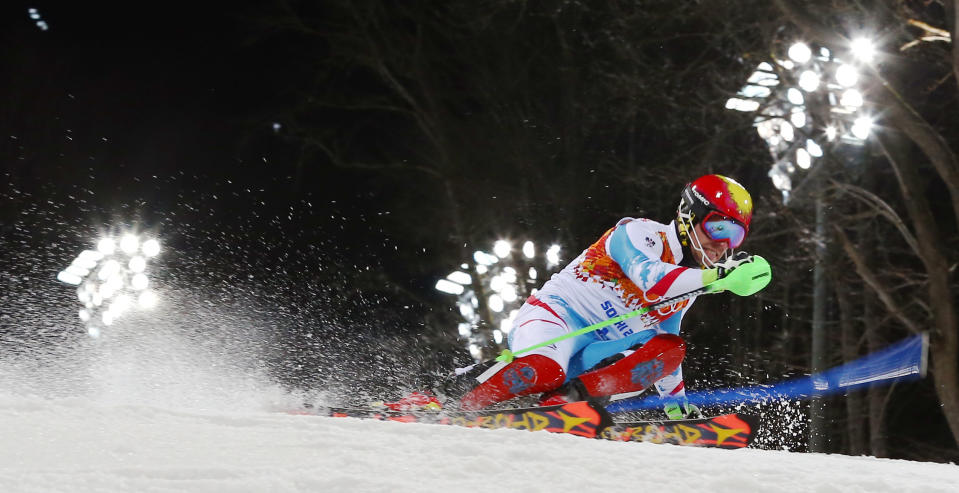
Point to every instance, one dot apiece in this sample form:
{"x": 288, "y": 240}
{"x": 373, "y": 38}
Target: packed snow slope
{"x": 81, "y": 445}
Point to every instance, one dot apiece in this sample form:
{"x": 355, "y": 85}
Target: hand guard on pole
{"x": 682, "y": 409}
{"x": 743, "y": 274}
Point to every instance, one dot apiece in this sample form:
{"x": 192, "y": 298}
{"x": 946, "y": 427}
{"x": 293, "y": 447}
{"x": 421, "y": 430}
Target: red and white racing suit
{"x": 633, "y": 265}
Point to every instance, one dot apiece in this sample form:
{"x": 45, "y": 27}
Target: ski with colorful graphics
{"x": 584, "y": 419}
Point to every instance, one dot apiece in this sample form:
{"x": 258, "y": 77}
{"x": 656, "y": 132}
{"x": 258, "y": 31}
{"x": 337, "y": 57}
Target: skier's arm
{"x": 638, "y": 250}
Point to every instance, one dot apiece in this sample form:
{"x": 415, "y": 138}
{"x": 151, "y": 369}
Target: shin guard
{"x": 527, "y": 375}
{"x": 659, "y": 357}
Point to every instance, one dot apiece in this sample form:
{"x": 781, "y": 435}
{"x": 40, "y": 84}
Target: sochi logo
{"x": 647, "y": 372}
{"x": 519, "y": 378}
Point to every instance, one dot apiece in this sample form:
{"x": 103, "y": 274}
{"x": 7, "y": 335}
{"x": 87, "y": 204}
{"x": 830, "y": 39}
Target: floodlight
{"x": 484, "y": 258}
{"x": 497, "y": 336}
{"x": 851, "y": 98}
{"x": 809, "y": 80}
{"x": 460, "y": 277}
{"x": 495, "y": 303}
{"x": 449, "y": 287}
{"x": 151, "y": 248}
{"x": 508, "y": 293}
{"x": 129, "y": 244}
{"x": 497, "y": 283}
{"x": 799, "y": 52}
{"x": 846, "y": 75}
{"x": 107, "y": 318}
{"x": 803, "y": 159}
{"x": 861, "y": 127}
{"x": 813, "y": 148}
{"x": 502, "y": 248}
{"x": 139, "y": 281}
{"x": 863, "y": 49}
{"x": 84, "y": 315}
{"x": 106, "y": 246}
{"x": 798, "y": 118}
{"x": 744, "y": 105}
{"x": 467, "y": 311}
{"x": 77, "y": 270}
{"x": 529, "y": 250}
{"x": 532, "y": 273}
{"x": 752, "y": 91}
{"x": 786, "y": 130}
{"x": 481, "y": 269}
{"x": 794, "y": 96}
{"x": 464, "y": 329}
{"x": 552, "y": 255}
{"x": 68, "y": 278}
{"x": 831, "y": 133}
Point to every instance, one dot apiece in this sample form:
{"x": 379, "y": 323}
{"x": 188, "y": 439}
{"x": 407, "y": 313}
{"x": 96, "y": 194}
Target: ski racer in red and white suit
{"x": 635, "y": 264}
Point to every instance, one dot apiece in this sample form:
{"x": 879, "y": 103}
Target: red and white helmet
{"x": 722, "y": 204}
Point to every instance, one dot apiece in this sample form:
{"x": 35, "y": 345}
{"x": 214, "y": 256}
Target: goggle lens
{"x": 722, "y": 228}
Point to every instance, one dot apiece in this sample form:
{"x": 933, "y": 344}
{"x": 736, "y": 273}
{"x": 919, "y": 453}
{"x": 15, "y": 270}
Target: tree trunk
{"x": 855, "y": 422}
{"x": 944, "y": 343}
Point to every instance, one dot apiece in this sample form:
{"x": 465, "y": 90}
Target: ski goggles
{"x": 723, "y": 228}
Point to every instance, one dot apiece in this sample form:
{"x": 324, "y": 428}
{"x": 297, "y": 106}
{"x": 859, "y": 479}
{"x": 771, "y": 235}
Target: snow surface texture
{"x": 77, "y": 445}
{"x": 161, "y": 410}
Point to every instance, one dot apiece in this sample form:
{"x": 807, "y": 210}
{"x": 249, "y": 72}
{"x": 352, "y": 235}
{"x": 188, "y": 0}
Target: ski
{"x": 584, "y": 419}
{"x": 727, "y": 431}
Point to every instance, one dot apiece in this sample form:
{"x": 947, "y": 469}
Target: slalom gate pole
{"x": 902, "y": 361}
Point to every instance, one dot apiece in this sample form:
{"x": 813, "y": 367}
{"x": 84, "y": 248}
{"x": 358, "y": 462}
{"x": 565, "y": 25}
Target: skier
{"x": 635, "y": 264}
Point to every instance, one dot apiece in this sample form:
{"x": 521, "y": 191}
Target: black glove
{"x": 726, "y": 266}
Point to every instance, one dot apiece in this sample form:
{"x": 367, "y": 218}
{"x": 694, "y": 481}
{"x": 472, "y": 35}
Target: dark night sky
{"x": 140, "y": 114}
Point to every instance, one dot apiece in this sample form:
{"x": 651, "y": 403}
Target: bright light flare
{"x": 809, "y": 81}
{"x": 139, "y": 282}
{"x": 863, "y": 49}
{"x": 846, "y": 75}
{"x": 151, "y": 248}
{"x": 795, "y": 96}
{"x": 552, "y": 255}
{"x": 129, "y": 244}
{"x": 799, "y": 52}
{"x": 449, "y": 287}
{"x": 502, "y": 248}
{"x": 529, "y": 249}
{"x": 460, "y": 277}
{"x": 106, "y": 246}
{"x": 496, "y": 303}
{"x": 862, "y": 127}
{"x": 803, "y": 159}
{"x": 813, "y": 148}
{"x": 744, "y": 105}
{"x": 851, "y": 98}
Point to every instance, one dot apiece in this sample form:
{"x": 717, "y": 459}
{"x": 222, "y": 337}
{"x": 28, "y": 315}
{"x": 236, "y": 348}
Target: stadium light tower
{"x": 112, "y": 279}
{"x": 490, "y": 289}
{"x": 804, "y": 102}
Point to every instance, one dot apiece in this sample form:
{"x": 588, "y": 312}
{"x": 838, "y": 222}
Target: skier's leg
{"x": 542, "y": 370}
{"x": 636, "y": 370}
